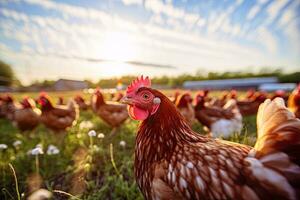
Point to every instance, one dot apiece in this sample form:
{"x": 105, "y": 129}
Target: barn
{"x": 65, "y": 84}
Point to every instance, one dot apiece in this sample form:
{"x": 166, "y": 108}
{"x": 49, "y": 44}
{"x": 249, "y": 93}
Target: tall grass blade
{"x": 16, "y": 180}
{"x": 112, "y": 159}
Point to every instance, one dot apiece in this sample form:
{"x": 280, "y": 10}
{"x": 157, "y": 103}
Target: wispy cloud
{"x": 268, "y": 39}
{"x": 129, "y": 2}
{"x": 274, "y": 8}
{"x": 255, "y": 10}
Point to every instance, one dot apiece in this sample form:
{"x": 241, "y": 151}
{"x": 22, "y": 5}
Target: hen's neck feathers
{"x": 160, "y": 133}
{"x": 48, "y": 106}
{"x": 199, "y": 105}
{"x": 99, "y": 100}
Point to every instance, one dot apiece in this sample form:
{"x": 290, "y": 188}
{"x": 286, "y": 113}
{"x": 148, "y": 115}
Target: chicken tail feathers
{"x": 278, "y": 130}
{"x": 72, "y": 106}
{"x": 274, "y": 161}
{"x": 230, "y": 104}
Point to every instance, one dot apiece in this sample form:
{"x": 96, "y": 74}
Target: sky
{"x": 88, "y": 39}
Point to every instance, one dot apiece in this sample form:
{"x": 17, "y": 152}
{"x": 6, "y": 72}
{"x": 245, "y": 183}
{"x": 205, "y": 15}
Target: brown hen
{"x": 281, "y": 94}
{"x": 114, "y": 114}
{"x": 117, "y": 96}
{"x": 174, "y": 162}
{"x": 8, "y": 107}
{"x": 2, "y": 107}
{"x": 219, "y": 102}
{"x": 60, "y": 101}
{"x": 250, "y": 106}
{"x": 221, "y": 121}
{"x": 185, "y": 107}
{"x": 83, "y": 105}
{"x": 26, "y": 117}
{"x": 294, "y": 102}
{"x": 58, "y": 118}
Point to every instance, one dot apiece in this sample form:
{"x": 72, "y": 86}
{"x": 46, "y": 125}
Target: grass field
{"x": 86, "y": 167}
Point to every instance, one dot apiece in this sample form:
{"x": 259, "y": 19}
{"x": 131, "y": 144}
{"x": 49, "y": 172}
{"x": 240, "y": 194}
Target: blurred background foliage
{"x": 7, "y": 76}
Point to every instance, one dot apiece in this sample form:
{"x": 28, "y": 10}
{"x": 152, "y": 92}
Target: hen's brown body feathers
{"x": 294, "y": 102}
{"x": 221, "y": 121}
{"x": 27, "y": 117}
{"x": 250, "y": 106}
{"x": 7, "y": 107}
{"x": 114, "y": 114}
{"x": 83, "y": 105}
{"x": 185, "y": 107}
{"x": 208, "y": 115}
{"x": 2, "y": 104}
{"x": 174, "y": 162}
{"x": 59, "y": 118}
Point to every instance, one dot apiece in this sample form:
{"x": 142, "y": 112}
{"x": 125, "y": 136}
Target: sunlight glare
{"x": 118, "y": 46}
{"x": 116, "y": 68}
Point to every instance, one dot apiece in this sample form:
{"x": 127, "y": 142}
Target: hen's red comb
{"x": 138, "y": 83}
{"x": 43, "y": 94}
{"x": 200, "y": 94}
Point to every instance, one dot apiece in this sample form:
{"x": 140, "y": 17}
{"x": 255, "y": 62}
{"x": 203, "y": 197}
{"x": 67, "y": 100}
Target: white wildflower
{"x": 92, "y": 133}
{"x": 40, "y": 194}
{"x": 122, "y": 143}
{"x": 39, "y": 146}
{"x": 17, "y": 143}
{"x": 3, "y": 146}
{"x": 96, "y": 148}
{"x": 101, "y": 135}
{"x": 52, "y": 150}
{"x": 86, "y": 125}
{"x": 37, "y": 151}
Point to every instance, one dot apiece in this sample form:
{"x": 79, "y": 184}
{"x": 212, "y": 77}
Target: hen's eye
{"x": 145, "y": 96}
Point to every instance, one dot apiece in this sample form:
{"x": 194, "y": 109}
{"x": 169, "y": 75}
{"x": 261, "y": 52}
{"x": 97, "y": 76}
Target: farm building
{"x": 270, "y": 87}
{"x": 5, "y": 89}
{"x": 244, "y": 83}
{"x": 65, "y": 84}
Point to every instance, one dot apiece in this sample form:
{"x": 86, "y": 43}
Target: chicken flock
{"x": 221, "y": 117}
{"x": 26, "y": 115}
{"x": 174, "y": 162}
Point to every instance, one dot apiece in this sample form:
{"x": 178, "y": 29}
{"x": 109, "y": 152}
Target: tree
{"x": 290, "y": 78}
{"x": 6, "y": 74}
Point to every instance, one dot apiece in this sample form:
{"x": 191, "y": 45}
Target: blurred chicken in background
{"x": 294, "y": 102}
{"x": 27, "y": 116}
{"x": 221, "y": 121}
{"x": 60, "y": 117}
{"x": 114, "y": 114}
{"x": 185, "y": 107}
{"x": 83, "y": 105}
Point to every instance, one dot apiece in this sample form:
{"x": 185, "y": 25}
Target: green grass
{"x": 80, "y": 168}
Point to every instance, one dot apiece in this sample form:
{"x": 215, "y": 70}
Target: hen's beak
{"x": 126, "y": 100}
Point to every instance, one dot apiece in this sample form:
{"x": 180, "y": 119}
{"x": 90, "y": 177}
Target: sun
{"x": 118, "y": 46}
